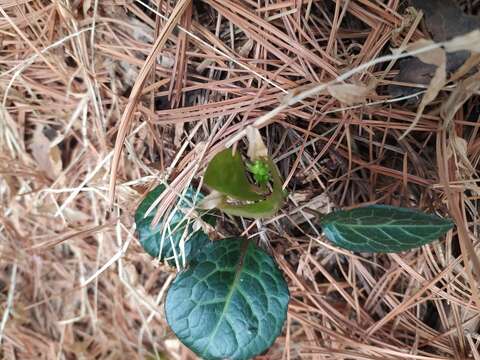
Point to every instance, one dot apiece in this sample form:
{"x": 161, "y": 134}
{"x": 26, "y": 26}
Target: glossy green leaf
{"x": 226, "y": 173}
{"x": 381, "y": 228}
{"x": 230, "y": 303}
{"x": 164, "y": 240}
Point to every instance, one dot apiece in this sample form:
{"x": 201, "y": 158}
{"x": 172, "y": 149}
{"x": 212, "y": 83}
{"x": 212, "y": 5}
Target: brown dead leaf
{"x": 438, "y": 82}
{"x": 349, "y": 94}
{"x": 444, "y": 20}
{"x": 412, "y": 71}
{"x": 470, "y": 42}
{"x": 48, "y": 157}
{"x": 458, "y": 97}
{"x": 459, "y": 149}
{"x": 467, "y": 67}
{"x": 256, "y": 146}
{"x": 74, "y": 215}
{"x": 211, "y": 201}
{"x": 321, "y": 203}
{"x": 434, "y": 57}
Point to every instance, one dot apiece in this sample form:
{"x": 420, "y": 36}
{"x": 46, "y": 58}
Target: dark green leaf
{"x": 226, "y": 173}
{"x": 383, "y": 228}
{"x": 230, "y": 303}
{"x": 162, "y": 241}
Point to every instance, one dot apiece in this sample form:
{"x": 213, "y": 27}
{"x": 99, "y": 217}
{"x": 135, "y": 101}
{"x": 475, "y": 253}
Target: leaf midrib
{"x": 386, "y": 225}
{"x": 238, "y": 271}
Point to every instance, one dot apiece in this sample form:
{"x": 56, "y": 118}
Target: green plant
{"x": 230, "y": 303}
{"x": 260, "y": 171}
{"x": 165, "y": 240}
{"x": 227, "y": 175}
{"x": 380, "y": 228}
{"x": 231, "y": 300}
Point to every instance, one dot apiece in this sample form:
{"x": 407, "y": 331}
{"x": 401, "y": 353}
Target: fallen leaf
{"x": 74, "y": 215}
{"x": 434, "y": 57}
{"x": 460, "y": 150}
{"x": 467, "y": 67}
{"x": 470, "y": 41}
{"x": 256, "y": 146}
{"x": 436, "y": 84}
{"x": 320, "y": 203}
{"x": 48, "y": 157}
{"x": 464, "y": 90}
{"x": 444, "y": 20}
{"x": 412, "y": 71}
{"x": 349, "y": 94}
{"x": 212, "y": 200}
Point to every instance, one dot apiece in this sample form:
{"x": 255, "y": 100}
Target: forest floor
{"x": 93, "y": 116}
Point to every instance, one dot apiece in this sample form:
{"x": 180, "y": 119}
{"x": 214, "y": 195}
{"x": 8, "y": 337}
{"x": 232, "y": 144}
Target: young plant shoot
{"x": 235, "y": 193}
{"x": 231, "y": 300}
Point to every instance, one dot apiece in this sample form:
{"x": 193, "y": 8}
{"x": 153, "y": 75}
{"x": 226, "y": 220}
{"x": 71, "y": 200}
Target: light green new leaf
{"x": 226, "y": 173}
{"x": 164, "y": 242}
{"x": 381, "y": 228}
{"x": 263, "y": 208}
{"x": 260, "y": 171}
{"x": 230, "y": 303}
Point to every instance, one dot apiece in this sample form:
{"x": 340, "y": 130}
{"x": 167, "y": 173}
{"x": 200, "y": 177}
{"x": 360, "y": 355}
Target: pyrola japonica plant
{"x": 230, "y": 299}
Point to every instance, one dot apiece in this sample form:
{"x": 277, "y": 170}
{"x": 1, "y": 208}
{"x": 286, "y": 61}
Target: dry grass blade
{"x": 126, "y": 119}
{"x": 171, "y": 83}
